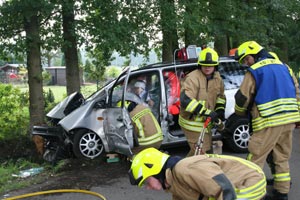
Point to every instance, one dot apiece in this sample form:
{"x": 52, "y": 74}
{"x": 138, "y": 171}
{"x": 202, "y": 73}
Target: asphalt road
{"x": 114, "y": 183}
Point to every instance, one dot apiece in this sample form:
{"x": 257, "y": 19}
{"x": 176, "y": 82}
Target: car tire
{"x": 238, "y": 135}
{"x": 87, "y": 144}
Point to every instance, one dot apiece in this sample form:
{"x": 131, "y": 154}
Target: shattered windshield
{"x": 232, "y": 74}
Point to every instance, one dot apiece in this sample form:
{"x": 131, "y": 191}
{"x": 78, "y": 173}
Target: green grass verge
{"x": 60, "y": 92}
{"x": 9, "y": 182}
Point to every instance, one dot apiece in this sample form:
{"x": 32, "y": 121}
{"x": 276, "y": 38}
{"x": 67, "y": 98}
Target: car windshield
{"x": 232, "y": 74}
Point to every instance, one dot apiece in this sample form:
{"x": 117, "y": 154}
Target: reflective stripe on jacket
{"x": 256, "y": 191}
{"x": 146, "y": 125}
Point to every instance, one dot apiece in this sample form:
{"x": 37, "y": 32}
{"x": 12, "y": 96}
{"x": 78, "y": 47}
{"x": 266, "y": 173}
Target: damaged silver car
{"x": 99, "y": 124}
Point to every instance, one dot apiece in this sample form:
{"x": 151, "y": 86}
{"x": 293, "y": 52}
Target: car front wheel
{"x": 87, "y": 144}
{"x": 238, "y": 135}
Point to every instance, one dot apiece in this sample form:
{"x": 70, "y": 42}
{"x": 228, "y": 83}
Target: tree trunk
{"x": 191, "y": 36}
{"x": 283, "y": 52}
{"x": 221, "y": 45}
{"x": 70, "y": 47}
{"x": 169, "y": 30}
{"x": 35, "y": 79}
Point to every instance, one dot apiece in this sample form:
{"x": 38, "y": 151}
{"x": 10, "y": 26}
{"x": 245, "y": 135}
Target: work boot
{"x": 279, "y": 196}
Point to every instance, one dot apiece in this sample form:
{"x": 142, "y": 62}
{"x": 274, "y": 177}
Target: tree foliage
{"x": 139, "y": 26}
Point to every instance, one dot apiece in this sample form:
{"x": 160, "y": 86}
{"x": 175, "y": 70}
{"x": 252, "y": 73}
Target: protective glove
{"x": 221, "y": 114}
{"x": 216, "y": 120}
{"x": 214, "y": 117}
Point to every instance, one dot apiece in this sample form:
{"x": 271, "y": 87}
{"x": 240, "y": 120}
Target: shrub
{"x": 46, "y": 78}
{"x": 14, "y": 118}
{"x": 49, "y": 100}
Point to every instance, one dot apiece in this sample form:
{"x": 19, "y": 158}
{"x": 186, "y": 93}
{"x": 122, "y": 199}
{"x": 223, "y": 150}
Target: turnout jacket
{"x": 270, "y": 94}
{"x": 215, "y": 177}
{"x": 198, "y": 97}
{"x": 145, "y": 125}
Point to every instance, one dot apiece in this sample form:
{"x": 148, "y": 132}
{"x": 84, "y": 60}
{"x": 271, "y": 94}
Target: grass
{"x": 60, "y": 92}
{"x": 9, "y": 182}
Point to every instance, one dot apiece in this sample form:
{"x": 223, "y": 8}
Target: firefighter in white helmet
{"x": 201, "y": 177}
{"x": 270, "y": 96}
{"x": 202, "y": 95}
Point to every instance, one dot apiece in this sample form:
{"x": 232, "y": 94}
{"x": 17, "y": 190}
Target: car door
{"x": 117, "y": 124}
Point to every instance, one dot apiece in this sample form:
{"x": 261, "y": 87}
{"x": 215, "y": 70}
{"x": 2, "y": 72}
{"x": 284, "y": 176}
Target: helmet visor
{"x": 134, "y": 181}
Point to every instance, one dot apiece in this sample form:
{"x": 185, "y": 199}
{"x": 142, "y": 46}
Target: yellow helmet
{"x": 247, "y": 48}
{"x": 148, "y": 162}
{"x": 208, "y": 57}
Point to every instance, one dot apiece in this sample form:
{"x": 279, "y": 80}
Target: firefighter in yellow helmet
{"x": 146, "y": 127}
{"x": 270, "y": 160}
{"x": 202, "y": 95}
{"x": 205, "y": 177}
{"x": 273, "y": 108}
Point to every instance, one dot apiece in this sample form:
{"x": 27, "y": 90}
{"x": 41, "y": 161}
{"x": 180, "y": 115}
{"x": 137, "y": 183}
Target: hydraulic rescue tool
{"x": 199, "y": 146}
{"x": 220, "y": 127}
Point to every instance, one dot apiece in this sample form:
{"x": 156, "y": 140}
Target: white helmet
{"x": 133, "y": 98}
{"x": 140, "y": 84}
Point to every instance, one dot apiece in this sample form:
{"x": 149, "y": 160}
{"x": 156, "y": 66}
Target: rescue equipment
{"x": 199, "y": 146}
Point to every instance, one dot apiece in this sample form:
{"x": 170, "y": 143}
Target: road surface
{"x": 111, "y": 181}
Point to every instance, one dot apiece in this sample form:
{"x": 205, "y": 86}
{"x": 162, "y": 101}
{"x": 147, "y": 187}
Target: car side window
{"x": 117, "y": 92}
{"x": 147, "y": 87}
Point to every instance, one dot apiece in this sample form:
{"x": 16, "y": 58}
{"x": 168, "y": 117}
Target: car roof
{"x": 189, "y": 62}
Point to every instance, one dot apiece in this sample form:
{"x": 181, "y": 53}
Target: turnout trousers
{"x": 277, "y": 140}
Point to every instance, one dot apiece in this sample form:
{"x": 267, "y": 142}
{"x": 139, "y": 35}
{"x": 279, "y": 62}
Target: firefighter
{"x": 146, "y": 127}
{"x": 202, "y": 95}
{"x": 269, "y": 159}
{"x": 270, "y": 97}
{"x": 209, "y": 176}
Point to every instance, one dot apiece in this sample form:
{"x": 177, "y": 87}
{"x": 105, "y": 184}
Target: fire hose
{"x": 56, "y": 191}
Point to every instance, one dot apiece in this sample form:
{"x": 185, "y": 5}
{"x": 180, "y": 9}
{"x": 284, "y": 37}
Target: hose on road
{"x": 56, "y": 191}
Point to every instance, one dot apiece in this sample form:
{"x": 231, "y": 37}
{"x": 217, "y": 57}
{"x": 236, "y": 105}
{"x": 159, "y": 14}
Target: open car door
{"x": 117, "y": 123}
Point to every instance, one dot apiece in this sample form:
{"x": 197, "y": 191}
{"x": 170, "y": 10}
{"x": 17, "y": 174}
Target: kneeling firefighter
{"x": 146, "y": 127}
{"x": 204, "y": 177}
